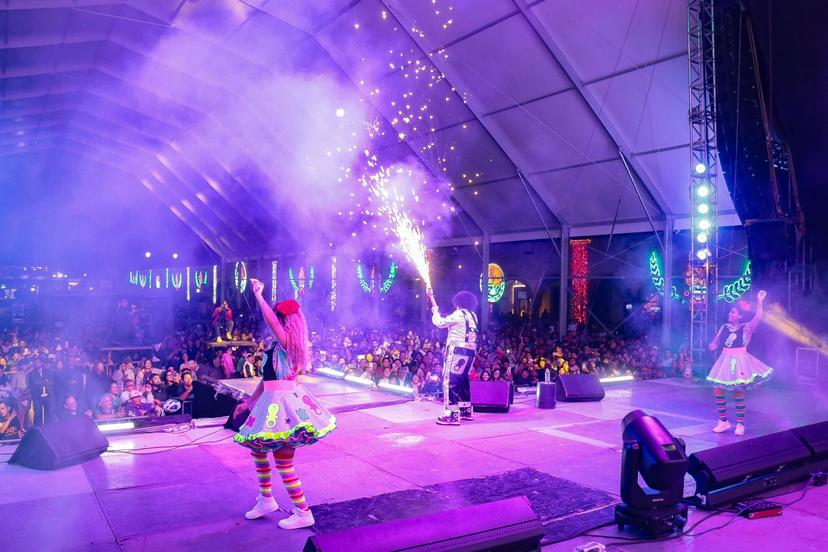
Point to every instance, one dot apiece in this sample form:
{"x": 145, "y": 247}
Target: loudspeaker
{"x": 504, "y": 526}
{"x": 579, "y": 388}
{"x": 491, "y": 396}
{"x": 60, "y": 444}
{"x": 815, "y": 437}
{"x": 729, "y": 473}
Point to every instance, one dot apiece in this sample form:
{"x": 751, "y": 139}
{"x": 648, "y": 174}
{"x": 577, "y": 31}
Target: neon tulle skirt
{"x": 737, "y": 369}
{"x": 289, "y": 416}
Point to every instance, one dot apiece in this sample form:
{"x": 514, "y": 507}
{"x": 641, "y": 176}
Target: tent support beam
{"x": 563, "y": 300}
{"x": 667, "y": 304}
{"x": 484, "y": 294}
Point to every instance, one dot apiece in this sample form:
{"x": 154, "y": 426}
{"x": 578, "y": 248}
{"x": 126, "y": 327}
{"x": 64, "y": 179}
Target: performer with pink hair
{"x": 736, "y": 369}
{"x": 283, "y": 414}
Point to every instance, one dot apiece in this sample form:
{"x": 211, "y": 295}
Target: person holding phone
{"x": 283, "y": 415}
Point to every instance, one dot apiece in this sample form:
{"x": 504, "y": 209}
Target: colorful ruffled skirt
{"x": 286, "y": 416}
{"x": 737, "y": 369}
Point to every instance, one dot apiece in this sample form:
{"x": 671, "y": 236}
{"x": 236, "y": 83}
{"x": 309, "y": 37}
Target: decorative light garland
{"x": 734, "y": 291}
{"x": 496, "y": 286}
{"x": 176, "y": 280}
{"x": 368, "y": 285}
{"x": 188, "y": 283}
{"x": 579, "y": 270}
{"x": 240, "y": 276}
{"x": 656, "y": 275}
{"x": 274, "y": 265}
{"x": 333, "y": 283}
{"x": 215, "y": 284}
{"x": 300, "y": 283}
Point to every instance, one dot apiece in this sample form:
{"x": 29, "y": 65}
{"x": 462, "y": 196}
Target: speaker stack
{"x": 60, "y": 444}
{"x": 732, "y": 472}
{"x": 579, "y": 388}
{"x": 503, "y": 526}
{"x": 491, "y": 396}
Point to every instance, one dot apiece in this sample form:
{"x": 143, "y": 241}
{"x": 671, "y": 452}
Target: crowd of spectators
{"x": 520, "y": 351}
{"x": 46, "y": 378}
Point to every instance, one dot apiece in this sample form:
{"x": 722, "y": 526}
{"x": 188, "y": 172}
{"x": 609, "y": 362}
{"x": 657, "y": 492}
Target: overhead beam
{"x": 725, "y": 219}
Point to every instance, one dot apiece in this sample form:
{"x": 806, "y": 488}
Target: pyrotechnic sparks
{"x": 391, "y": 205}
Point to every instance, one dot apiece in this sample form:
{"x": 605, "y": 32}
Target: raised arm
{"x": 715, "y": 343}
{"x": 760, "y": 309}
{"x": 268, "y": 314}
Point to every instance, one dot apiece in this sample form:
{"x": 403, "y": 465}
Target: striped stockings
{"x": 721, "y": 404}
{"x": 262, "y": 464}
{"x": 739, "y": 399}
{"x": 284, "y": 463}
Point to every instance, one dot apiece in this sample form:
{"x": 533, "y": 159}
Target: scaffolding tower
{"x": 702, "y": 268}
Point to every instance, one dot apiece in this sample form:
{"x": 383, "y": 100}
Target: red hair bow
{"x": 287, "y": 307}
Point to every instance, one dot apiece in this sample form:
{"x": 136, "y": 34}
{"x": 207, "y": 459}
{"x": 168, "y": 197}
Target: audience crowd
{"x": 44, "y": 377}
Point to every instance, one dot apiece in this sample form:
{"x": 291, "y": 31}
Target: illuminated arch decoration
{"x": 369, "y": 285}
{"x": 656, "y": 275}
{"x": 240, "y": 276}
{"x": 201, "y": 278}
{"x": 215, "y": 284}
{"x": 497, "y": 283}
{"x": 301, "y": 281}
{"x": 177, "y": 280}
{"x": 734, "y": 291}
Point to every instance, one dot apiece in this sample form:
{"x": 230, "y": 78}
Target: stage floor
{"x": 136, "y": 497}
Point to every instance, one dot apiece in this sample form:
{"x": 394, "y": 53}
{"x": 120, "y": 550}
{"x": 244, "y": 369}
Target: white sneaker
{"x": 740, "y": 429}
{"x": 263, "y": 506}
{"x": 297, "y": 520}
{"x": 722, "y": 426}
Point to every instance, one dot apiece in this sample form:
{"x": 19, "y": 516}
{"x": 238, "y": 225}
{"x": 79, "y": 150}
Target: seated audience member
{"x": 129, "y": 387}
{"x": 71, "y": 409}
{"x": 106, "y": 408}
{"x": 136, "y": 406}
{"x": 9, "y": 422}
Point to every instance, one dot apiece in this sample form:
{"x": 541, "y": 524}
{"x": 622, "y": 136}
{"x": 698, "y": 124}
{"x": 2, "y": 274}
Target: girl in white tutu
{"x": 736, "y": 369}
{"x": 283, "y": 414}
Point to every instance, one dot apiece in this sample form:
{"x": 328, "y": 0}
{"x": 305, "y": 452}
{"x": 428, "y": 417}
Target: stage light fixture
{"x": 704, "y": 208}
{"x": 340, "y": 112}
{"x": 175, "y": 255}
{"x": 703, "y": 190}
{"x": 700, "y": 168}
{"x": 649, "y": 450}
{"x": 704, "y": 224}
{"x": 702, "y": 237}
{"x": 147, "y": 254}
{"x": 703, "y": 254}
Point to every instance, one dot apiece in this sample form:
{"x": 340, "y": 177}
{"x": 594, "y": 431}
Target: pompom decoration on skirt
{"x": 737, "y": 369}
{"x": 287, "y": 416}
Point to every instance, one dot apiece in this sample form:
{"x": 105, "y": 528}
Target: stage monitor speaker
{"x": 579, "y": 388}
{"x": 732, "y": 472}
{"x": 501, "y": 526}
{"x": 815, "y": 437}
{"x": 60, "y": 444}
{"x": 491, "y": 396}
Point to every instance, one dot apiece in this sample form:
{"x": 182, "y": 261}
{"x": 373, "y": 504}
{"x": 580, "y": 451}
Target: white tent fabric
{"x": 542, "y": 100}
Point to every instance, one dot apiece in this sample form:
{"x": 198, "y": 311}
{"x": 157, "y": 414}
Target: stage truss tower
{"x": 702, "y": 268}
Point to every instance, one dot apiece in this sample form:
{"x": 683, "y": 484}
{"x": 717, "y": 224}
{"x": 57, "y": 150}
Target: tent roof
{"x": 535, "y": 107}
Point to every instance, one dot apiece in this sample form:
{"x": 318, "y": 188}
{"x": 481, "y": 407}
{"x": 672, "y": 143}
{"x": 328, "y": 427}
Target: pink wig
{"x": 298, "y": 346}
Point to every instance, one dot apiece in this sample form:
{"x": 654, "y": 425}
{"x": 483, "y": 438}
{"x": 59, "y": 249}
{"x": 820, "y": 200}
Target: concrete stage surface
{"x": 193, "y": 497}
